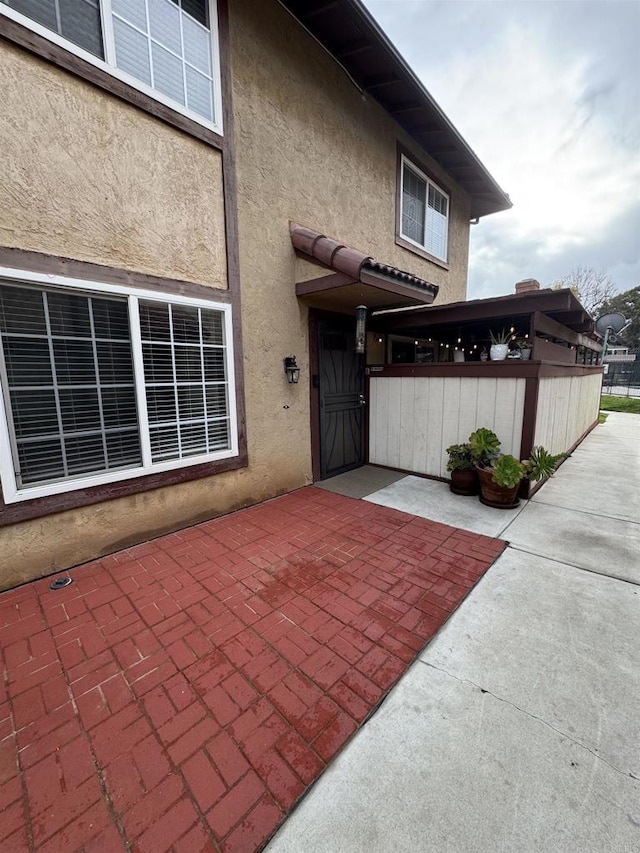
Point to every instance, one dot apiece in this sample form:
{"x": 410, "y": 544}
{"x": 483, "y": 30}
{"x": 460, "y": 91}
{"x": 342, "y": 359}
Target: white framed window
{"x": 167, "y": 49}
{"x": 424, "y": 217}
{"x": 101, "y": 384}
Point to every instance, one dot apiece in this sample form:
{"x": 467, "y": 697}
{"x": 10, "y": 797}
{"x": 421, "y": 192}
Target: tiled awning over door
{"x": 354, "y": 277}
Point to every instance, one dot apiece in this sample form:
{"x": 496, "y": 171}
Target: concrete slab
{"x": 518, "y": 728}
{"x": 619, "y": 434}
{"x": 360, "y": 482}
{"x": 560, "y": 643}
{"x": 433, "y": 500}
{"x": 444, "y": 766}
{"x": 608, "y": 546}
{"x": 594, "y": 482}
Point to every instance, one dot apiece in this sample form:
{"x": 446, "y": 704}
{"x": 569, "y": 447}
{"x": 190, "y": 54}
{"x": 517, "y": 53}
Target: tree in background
{"x": 627, "y": 303}
{"x": 592, "y": 288}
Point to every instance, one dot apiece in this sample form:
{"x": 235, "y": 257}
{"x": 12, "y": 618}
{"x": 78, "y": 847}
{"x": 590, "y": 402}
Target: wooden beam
{"x": 319, "y": 10}
{"x": 380, "y": 81}
{"x": 498, "y": 309}
{"x": 352, "y": 48}
{"x": 324, "y": 282}
{"x": 407, "y": 107}
{"x": 548, "y": 326}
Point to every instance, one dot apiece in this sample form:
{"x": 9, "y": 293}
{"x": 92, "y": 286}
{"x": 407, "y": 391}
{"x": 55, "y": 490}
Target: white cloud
{"x": 545, "y": 94}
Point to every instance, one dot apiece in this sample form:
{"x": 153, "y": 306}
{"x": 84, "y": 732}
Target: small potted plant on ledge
{"x": 462, "y": 465}
{"x": 525, "y": 346}
{"x": 499, "y": 345}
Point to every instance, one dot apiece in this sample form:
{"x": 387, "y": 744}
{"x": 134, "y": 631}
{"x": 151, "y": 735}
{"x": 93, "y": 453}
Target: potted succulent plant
{"x": 501, "y": 478}
{"x": 499, "y": 345}
{"x": 462, "y": 465}
{"x": 500, "y": 481}
{"x": 485, "y": 446}
{"x": 525, "y": 346}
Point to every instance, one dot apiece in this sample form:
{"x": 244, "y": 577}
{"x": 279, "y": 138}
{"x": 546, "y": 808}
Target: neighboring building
{"x": 619, "y": 354}
{"x": 154, "y": 154}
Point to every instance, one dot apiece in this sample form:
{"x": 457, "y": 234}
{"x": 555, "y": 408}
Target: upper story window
{"x": 166, "y": 48}
{"x": 103, "y": 385}
{"x": 425, "y": 211}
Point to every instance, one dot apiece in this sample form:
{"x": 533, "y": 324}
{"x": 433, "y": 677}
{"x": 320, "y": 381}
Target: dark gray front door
{"x": 342, "y": 410}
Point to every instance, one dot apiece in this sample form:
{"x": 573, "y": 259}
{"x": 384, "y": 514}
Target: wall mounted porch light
{"x": 361, "y": 328}
{"x": 291, "y": 369}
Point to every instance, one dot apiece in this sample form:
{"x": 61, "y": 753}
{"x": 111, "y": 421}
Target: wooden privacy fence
{"x": 417, "y": 411}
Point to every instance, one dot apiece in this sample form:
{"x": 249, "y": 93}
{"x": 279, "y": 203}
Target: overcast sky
{"x": 547, "y": 93}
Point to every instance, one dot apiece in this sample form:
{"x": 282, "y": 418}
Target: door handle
{"x": 362, "y": 400}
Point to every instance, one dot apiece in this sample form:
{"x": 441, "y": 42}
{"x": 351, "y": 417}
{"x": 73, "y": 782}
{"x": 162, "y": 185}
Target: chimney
{"x": 527, "y": 285}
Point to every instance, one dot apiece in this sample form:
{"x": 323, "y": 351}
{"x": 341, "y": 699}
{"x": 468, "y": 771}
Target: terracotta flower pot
{"x": 491, "y": 494}
{"x": 464, "y": 482}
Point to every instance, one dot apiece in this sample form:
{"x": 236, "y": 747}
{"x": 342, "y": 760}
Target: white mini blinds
{"x": 167, "y": 45}
{"x": 183, "y": 354}
{"x": 425, "y": 212}
{"x": 102, "y": 386}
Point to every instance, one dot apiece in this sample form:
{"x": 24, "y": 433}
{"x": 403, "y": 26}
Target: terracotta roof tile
{"x": 347, "y": 260}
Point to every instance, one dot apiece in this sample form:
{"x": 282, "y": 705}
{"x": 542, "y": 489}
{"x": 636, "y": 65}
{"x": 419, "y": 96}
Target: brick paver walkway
{"x": 181, "y": 695}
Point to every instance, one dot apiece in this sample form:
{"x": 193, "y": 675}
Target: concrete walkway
{"x": 518, "y": 727}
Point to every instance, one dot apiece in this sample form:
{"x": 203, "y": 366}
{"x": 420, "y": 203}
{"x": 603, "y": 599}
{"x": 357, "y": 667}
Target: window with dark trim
{"x": 166, "y": 48}
{"x": 424, "y": 211}
{"x": 100, "y": 386}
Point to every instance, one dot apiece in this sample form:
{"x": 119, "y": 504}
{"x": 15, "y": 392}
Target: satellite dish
{"x": 610, "y": 325}
{"x": 614, "y": 323}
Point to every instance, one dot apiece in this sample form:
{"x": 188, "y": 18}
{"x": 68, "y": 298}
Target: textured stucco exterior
{"x": 94, "y": 179}
{"x": 88, "y": 177}
{"x": 312, "y": 149}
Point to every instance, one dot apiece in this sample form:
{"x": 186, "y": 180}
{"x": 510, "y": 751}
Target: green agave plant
{"x": 502, "y": 337}
{"x": 541, "y": 464}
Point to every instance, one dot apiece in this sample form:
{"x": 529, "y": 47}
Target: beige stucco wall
{"x": 95, "y": 179}
{"x": 312, "y": 149}
{"x": 309, "y": 149}
{"x": 88, "y": 177}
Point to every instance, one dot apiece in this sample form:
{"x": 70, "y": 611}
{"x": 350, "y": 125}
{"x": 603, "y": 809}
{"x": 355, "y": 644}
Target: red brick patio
{"x": 182, "y": 695}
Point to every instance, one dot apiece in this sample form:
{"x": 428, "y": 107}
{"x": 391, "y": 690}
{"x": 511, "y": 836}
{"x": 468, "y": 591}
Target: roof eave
{"x": 468, "y": 171}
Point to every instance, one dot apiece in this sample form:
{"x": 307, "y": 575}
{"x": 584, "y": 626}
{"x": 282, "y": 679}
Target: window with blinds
{"x": 185, "y": 380}
{"x": 90, "y": 392}
{"x": 425, "y": 212}
{"x": 76, "y": 20}
{"x": 166, "y": 45}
